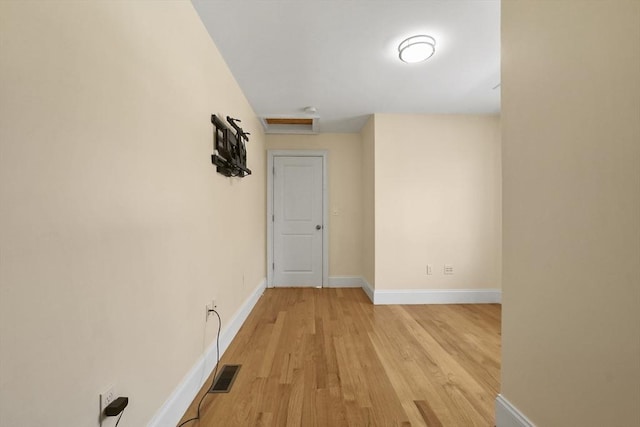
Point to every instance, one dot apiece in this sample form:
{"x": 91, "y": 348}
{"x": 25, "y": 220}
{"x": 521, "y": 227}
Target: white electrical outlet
{"x": 429, "y": 269}
{"x": 108, "y": 396}
{"x": 209, "y": 307}
{"x": 207, "y": 311}
{"x": 448, "y": 269}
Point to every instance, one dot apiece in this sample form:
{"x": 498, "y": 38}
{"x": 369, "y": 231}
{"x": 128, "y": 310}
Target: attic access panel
{"x": 290, "y": 125}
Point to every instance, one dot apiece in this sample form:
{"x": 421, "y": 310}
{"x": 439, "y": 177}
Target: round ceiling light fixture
{"x": 417, "y": 49}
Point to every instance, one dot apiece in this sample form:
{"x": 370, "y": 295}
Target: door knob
{"x": 318, "y": 227}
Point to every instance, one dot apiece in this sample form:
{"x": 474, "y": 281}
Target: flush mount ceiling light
{"x": 417, "y": 49}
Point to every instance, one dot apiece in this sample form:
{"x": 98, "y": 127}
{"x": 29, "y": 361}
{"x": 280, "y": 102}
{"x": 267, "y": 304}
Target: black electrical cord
{"x": 215, "y": 372}
{"x": 118, "y": 422}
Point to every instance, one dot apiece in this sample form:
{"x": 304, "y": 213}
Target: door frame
{"x": 271, "y": 154}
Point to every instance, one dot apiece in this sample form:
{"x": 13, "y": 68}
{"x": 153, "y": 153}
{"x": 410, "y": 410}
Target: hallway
{"x": 328, "y": 357}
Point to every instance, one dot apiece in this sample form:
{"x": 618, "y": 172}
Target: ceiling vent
{"x": 288, "y": 124}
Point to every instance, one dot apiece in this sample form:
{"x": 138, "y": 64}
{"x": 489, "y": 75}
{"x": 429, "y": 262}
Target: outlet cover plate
{"x": 209, "y": 307}
{"x": 106, "y": 397}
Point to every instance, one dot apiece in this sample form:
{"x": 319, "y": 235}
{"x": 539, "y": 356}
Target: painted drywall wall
{"x": 115, "y": 228}
{"x": 368, "y": 198}
{"x": 345, "y": 196}
{"x": 571, "y": 193}
{"x": 437, "y": 201}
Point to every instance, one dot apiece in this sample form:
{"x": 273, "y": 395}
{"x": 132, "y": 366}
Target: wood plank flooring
{"x": 328, "y": 357}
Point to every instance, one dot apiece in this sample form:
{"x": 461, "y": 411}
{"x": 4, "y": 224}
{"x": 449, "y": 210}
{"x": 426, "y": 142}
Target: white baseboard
{"x": 174, "y": 407}
{"x": 508, "y": 415}
{"x": 368, "y": 289}
{"x": 345, "y": 282}
{"x": 351, "y": 282}
{"x": 228, "y": 334}
{"x": 437, "y": 296}
{"x": 418, "y": 296}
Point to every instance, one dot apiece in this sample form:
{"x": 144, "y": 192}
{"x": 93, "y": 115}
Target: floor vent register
{"x": 225, "y": 379}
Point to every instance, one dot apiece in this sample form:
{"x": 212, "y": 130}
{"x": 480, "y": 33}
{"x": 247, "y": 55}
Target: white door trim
{"x": 325, "y": 209}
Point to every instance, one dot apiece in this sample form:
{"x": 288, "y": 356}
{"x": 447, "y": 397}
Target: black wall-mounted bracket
{"x": 229, "y": 151}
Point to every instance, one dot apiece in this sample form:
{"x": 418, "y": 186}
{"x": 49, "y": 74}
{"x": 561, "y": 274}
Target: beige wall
{"x": 368, "y": 207}
{"x": 345, "y": 195}
{"x": 115, "y": 228}
{"x": 571, "y": 141}
{"x": 437, "y": 201}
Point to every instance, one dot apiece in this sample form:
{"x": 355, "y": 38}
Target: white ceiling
{"x": 341, "y": 56}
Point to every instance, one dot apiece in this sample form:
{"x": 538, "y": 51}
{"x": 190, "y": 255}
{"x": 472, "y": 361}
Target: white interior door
{"x": 297, "y": 221}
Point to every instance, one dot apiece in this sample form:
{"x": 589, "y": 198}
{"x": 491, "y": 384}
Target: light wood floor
{"x": 328, "y": 357}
